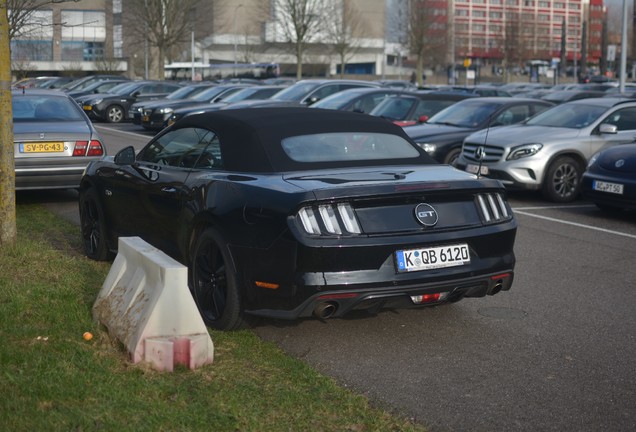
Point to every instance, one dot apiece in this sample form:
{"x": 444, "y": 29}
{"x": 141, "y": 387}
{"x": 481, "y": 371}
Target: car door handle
{"x": 169, "y": 189}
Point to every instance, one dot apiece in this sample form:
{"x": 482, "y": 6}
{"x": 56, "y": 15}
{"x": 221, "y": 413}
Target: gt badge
{"x": 426, "y": 215}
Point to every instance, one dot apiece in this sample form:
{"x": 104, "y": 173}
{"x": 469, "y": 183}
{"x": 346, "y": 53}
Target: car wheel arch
{"x": 578, "y": 157}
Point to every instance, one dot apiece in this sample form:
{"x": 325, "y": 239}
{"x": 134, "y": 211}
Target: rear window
{"x": 348, "y": 146}
{"x": 45, "y": 108}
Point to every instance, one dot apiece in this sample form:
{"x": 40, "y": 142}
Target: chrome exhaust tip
{"x": 325, "y": 310}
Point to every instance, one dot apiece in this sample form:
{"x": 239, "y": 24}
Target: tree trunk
{"x": 8, "y": 231}
{"x": 420, "y": 69}
{"x": 299, "y": 61}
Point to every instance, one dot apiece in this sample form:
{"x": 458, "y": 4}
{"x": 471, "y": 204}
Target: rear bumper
{"x": 343, "y": 301}
{"x": 49, "y": 178}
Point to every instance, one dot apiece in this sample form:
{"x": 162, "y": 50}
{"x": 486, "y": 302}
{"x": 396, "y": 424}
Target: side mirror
{"x": 135, "y": 94}
{"x": 125, "y": 156}
{"x": 608, "y": 128}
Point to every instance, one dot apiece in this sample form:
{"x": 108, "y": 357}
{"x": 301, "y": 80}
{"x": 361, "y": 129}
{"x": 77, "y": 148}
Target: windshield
{"x": 208, "y": 95}
{"x": 394, "y": 108}
{"x": 122, "y": 88}
{"x": 241, "y": 95}
{"x": 468, "y": 114}
{"x": 572, "y": 115}
{"x": 185, "y": 92}
{"x": 296, "y": 92}
{"x": 347, "y": 146}
{"x": 335, "y": 101}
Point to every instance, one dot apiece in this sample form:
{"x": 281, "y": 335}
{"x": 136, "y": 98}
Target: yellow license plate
{"x": 145, "y": 119}
{"x": 42, "y": 147}
{"x": 87, "y": 107}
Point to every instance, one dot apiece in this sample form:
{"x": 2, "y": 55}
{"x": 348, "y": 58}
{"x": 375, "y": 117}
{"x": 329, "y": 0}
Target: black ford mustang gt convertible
{"x": 290, "y": 212}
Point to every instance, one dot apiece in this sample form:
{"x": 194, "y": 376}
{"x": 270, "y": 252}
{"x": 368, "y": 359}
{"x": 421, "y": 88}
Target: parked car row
{"x": 499, "y": 137}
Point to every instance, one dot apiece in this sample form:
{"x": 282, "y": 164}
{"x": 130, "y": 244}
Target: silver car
{"x": 549, "y": 151}
{"x": 53, "y": 140}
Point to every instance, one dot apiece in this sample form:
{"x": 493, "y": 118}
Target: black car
{"x": 410, "y": 109}
{"x": 562, "y": 96}
{"x": 82, "y": 83}
{"x": 179, "y": 113}
{"x": 155, "y": 117}
{"x": 113, "y": 106}
{"x": 181, "y": 94}
{"x": 292, "y": 212}
{"x": 610, "y": 179}
{"x": 97, "y": 87}
{"x": 363, "y": 99}
{"x": 310, "y": 91}
{"x": 443, "y": 134}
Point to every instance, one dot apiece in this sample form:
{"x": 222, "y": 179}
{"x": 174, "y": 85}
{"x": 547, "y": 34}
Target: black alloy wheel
{"x": 562, "y": 180}
{"x": 213, "y": 283}
{"x": 93, "y": 227}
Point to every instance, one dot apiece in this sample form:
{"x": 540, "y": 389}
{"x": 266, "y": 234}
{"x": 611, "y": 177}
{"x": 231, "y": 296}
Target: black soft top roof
{"x": 251, "y": 138}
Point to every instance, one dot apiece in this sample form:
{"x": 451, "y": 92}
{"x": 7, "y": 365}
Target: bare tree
{"x": 426, "y": 34}
{"x": 516, "y": 41}
{"x": 299, "y": 23}
{"x": 21, "y": 13}
{"x": 344, "y": 25}
{"x": 164, "y": 24}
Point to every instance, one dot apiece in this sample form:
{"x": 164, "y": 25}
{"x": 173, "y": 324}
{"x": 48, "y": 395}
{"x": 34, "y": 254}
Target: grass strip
{"x": 52, "y": 379}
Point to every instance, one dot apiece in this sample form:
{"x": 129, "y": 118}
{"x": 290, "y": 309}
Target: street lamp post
{"x": 240, "y": 5}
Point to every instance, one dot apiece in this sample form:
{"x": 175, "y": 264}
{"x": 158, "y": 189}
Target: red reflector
{"x": 337, "y": 296}
{"x": 95, "y": 149}
{"x": 80, "y": 148}
{"x": 500, "y": 276}
{"x": 430, "y": 297}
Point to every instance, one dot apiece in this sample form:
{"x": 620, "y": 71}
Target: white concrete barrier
{"x": 145, "y": 303}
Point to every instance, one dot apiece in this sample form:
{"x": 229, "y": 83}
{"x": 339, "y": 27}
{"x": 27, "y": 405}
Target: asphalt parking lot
{"x": 554, "y": 353}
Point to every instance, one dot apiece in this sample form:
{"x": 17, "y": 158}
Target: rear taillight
{"x": 492, "y": 207}
{"x": 85, "y": 148}
{"x": 329, "y": 219}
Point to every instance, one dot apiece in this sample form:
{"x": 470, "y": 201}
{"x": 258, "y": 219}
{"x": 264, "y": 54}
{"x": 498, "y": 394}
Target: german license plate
{"x": 432, "y": 258}
{"x": 474, "y": 169}
{"x": 615, "y": 188}
{"x": 87, "y": 108}
{"x": 145, "y": 118}
{"x": 42, "y": 147}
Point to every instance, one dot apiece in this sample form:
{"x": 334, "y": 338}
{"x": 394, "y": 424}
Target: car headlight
{"x": 139, "y": 109}
{"x": 593, "y": 159}
{"x": 165, "y": 110}
{"x": 428, "y": 147}
{"x": 525, "y": 150}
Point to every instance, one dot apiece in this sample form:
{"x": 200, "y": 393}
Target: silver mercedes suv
{"x": 549, "y": 151}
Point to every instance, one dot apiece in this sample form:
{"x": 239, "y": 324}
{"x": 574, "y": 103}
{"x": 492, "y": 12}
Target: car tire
{"x": 114, "y": 114}
{"x": 562, "y": 181}
{"x": 93, "y": 227}
{"x": 213, "y": 283}
{"x": 452, "y": 156}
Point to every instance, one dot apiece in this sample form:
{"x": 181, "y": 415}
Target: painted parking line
{"x": 121, "y": 131}
{"x": 579, "y": 225}
{"x": 555, "y": 207}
